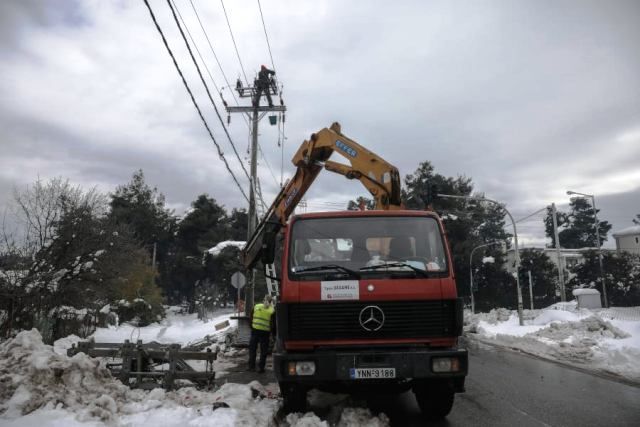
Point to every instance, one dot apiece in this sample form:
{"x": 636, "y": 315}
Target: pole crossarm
{"x": 250, "y": 109}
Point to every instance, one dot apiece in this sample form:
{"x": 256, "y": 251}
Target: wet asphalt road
{"x": 510, "y": 389}
{"x": 505, "y": 388}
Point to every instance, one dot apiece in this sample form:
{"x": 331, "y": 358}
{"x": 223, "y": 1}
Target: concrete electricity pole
{"x": 255, "y": 114}
{"x": 563, "y": 296}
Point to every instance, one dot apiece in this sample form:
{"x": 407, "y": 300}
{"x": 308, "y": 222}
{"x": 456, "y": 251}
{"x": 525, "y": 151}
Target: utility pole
{"x": 255, "y": 114}
{"x": 530, "y": 290}
{"x": 554, "y": 213}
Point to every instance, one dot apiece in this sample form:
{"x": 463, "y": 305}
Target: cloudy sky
{"x": 529, "y": 99}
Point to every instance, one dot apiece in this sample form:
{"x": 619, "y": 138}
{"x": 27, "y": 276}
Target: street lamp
{"x": 515, "y": 241}
{"x": 597, "y": 227}
{"x": 473, "y": 310}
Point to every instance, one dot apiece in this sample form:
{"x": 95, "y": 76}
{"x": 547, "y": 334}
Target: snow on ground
{"x": 175, "y": 328}
{"x": 606, "y": 340}
{"x": 42, "y": 386}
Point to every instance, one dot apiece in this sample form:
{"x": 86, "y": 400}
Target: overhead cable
{"x": 195, "y": 104}
{"x": 224, "y": 76}
{"x": 186, "y": 42}
{"x": 193, "y": 42}
{"x": 273, "y": 64}
{"x": 234, "y": 43}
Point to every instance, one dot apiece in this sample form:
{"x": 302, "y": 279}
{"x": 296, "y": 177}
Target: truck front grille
{"x": 341, "y": 320}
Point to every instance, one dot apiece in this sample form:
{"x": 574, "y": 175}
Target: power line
{"x": 186, "y": 42}
{"x": 195, "y": 104}
{"x": 224, "y": 76}
{"x": 273, "y": 64}
{"x": 196, "y": 46}
{"x": 267, "y": 163}
{"x": 234, "y": 43}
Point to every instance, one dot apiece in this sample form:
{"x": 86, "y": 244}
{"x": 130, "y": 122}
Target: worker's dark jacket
{"x": 263, "y": 77}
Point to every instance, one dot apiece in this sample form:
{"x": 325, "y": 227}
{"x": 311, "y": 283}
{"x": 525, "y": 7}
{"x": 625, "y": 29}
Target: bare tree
{"x": 39, "y": 207}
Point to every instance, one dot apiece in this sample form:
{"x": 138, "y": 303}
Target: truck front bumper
{"x": 336, "y": 366}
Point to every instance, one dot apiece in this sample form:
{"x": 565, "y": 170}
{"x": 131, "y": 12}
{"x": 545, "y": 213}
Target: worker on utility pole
{"x": 263, "y": 83}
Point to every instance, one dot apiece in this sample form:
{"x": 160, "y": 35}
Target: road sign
{"x": 238, "y": 280}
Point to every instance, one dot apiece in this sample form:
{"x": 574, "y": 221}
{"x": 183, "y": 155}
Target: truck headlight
{"x": 302, "y": 368}
{"x": 445, "y": 364}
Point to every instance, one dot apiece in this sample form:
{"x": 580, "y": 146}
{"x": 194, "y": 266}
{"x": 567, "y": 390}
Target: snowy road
{"x": 509, "y": 389}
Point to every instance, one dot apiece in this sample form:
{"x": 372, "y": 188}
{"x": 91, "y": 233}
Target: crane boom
{"x": 377, "y": 175}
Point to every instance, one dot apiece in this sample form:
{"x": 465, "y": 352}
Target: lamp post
{"x": 473, "y": 305}
{"x": 597, "y": 227}
{"x": 515, "y": 241}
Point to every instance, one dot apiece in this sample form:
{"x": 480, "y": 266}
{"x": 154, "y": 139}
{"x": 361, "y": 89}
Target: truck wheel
{"x": 435, "y": 403}
{"x": 294, "y": 398}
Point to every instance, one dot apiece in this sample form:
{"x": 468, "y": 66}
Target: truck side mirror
{"x": 268, "y": 248}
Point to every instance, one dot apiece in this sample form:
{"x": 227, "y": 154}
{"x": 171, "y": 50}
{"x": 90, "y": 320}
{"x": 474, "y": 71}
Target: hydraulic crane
{"x": 376, "y": 174}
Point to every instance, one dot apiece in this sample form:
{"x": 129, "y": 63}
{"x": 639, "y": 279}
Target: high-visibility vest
{"x": 262, "y": 317}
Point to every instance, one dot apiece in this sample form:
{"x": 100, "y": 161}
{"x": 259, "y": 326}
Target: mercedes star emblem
{"x": 371, "y": 318}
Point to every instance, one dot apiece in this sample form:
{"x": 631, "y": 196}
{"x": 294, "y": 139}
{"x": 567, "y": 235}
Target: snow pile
{"x": 592, "y": 339}
{"x": 40, "y": 386}
{"x": 217, "y": 249}
{"x": 33, "y": 375}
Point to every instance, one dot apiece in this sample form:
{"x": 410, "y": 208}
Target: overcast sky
{"x": 529, "y": 99}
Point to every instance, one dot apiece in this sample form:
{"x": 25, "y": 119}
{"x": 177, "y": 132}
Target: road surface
{"x": 510, "y": 389}
{"x": 505, "y": 388}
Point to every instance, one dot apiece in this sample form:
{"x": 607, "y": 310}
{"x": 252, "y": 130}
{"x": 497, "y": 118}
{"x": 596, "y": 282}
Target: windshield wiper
{"x": 350, "y": 272}
{"x": 423, "y": 273}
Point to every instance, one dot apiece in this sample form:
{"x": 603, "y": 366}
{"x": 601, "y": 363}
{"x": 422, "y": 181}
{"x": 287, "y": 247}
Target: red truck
{"x": 367, "y": 298}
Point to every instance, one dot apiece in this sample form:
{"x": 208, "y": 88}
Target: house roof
{"x": 629, "y": 231}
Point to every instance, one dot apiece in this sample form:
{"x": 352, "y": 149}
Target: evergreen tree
{"x": 544, "y": 275}
{"x": 238, "y": 224}
{"x": 622, "y": 272}
{"x": 468, "y": 224}
{"x": 142, "y": 209}
{"x": 636, "y": 220}
{"x": 576, "y": 228}
{"x": 206, "y": 225}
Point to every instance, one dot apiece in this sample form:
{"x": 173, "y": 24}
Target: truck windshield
{"x": 384, "y": 246}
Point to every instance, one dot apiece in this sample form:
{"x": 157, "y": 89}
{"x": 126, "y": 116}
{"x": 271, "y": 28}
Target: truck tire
{"x": 434, "y": 402}
{"x": 294, "y": 398}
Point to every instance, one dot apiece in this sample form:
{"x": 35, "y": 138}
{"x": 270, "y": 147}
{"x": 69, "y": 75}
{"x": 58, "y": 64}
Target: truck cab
{"x": 368, "y": 302}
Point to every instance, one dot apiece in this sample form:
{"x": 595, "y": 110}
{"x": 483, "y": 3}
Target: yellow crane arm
{"x": 377, "y": 175}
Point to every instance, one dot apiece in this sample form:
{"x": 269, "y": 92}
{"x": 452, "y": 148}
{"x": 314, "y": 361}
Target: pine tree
{"x": 468, "y": 224}
{"x": 142, "y": 209}
{"x": 544, "y": 276}
{"x": 576, "y": 228}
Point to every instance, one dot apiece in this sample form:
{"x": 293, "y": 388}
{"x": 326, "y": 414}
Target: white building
{"x": 569, "y": 258}
{"x": 628, "y": 240}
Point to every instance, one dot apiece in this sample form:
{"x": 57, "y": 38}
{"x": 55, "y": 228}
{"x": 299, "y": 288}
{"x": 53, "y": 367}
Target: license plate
{"x": 372, "y": 373}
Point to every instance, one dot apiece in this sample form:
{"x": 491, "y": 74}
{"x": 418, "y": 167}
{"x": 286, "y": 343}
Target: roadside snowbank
{"x": 41, "y": 386}
{"x": 606, "y": 340}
